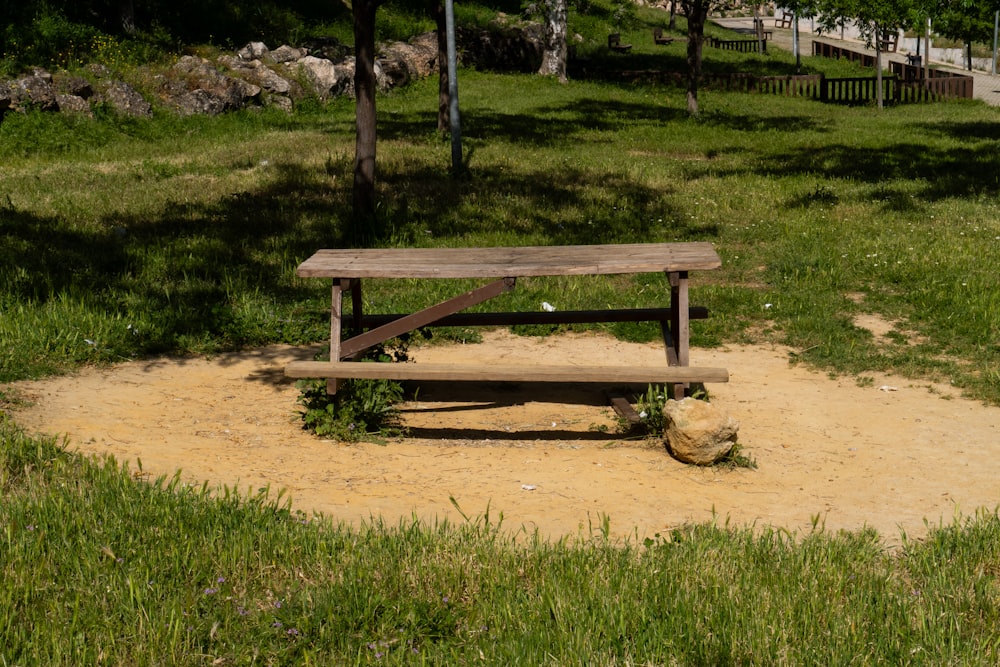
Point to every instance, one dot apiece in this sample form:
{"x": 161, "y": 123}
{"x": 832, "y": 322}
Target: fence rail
{"x": 909, "y": 83}
{"x": 740, "y": 45}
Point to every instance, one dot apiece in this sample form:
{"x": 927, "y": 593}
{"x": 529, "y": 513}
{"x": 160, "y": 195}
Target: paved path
{"x": 985, "y": 86}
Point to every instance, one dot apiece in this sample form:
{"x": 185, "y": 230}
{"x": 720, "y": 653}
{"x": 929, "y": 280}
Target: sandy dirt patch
{"x": 889, "y": 455}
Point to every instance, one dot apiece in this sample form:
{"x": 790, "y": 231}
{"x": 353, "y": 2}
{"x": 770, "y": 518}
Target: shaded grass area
{"x": 125, "y": 238}
{"x": 101, "y": 567}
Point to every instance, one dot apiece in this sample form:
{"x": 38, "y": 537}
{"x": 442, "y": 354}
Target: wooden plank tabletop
{"x": 510, "y": 262}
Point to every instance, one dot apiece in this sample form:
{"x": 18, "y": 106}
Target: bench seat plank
{"x": 542, "y": 317}
{"x": 505, "y": 373}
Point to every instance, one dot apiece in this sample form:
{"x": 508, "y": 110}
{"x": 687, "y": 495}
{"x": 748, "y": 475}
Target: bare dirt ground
{"x": 889, "y": 455}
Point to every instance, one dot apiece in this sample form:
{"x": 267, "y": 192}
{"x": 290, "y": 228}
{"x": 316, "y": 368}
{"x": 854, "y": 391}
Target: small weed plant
{"x": 361, "y": 409}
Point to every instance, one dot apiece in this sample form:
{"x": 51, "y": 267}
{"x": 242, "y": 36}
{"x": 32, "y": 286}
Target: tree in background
{"x": 554, "y": 51}
{"x": 967, "y": 21}
{"x": 875, "y": 21}
{"x": 697, "y": 14}
{"x": 364, "y": 90}
{"x": 799, "y": 9}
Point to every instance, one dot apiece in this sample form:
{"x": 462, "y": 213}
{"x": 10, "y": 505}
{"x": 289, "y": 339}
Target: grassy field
{"x": 122, "y": 238}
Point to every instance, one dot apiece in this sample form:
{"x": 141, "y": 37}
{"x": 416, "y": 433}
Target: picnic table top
{"x": 510, "y": 262}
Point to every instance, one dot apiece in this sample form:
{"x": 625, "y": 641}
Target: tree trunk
{"x": 673, "y": 15}
{"x": 554, "y": 53}
{"x": 442, "y": 58}
{"x": 364, "y": 88}
{"x": 126, "y": 14}
{"x": 878, "y": 71}
{"x": 697, "y": 13}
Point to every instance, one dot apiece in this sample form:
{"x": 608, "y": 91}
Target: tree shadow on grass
{"x": 939, "y": 173}
{"x": 220, "y": 274}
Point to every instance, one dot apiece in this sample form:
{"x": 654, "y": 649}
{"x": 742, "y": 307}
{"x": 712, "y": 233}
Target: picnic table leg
{"x": 357, "y": 307}
{"x": 336, "y": 325}
{"x": 680, "y": 325}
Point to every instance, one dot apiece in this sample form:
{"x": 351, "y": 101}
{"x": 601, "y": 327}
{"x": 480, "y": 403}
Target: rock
{"x": 253, "y": 51}
{"x": 328, "y": 80}
{"x": 36, "y": 92}
{"x": 256, "y": 73}
{"x": 208, "y": 90}
{"x": 285, "y": 54}
{"x": 124, "y": 99}
{"x": 698, "y": 432}
{"x": 74, "y": 85}
{"x": 198, "y": 101}
{"x": 417, "y": 58}
{"x": 73, "y": 104}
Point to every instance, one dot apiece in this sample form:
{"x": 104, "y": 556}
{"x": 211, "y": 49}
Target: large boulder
{"x": 124, "y": 99}
{"x": 256, "y": 73}
{"x": 35, "y": 91}
{"x": 285, "y": 54}
{"x": 327, "y": 80}
{"x": 416, "y": 58}
{"x": 698, "y": 432}
{"x": 73, "y": 104}
{"x": 204, "y": 89}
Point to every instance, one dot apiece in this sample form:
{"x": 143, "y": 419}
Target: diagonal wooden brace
{"x": 352, "y": 346}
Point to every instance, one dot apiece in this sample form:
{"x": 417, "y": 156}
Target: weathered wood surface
{"x": 505, "y": 262}
{"x": 542, "y": 317}
{"x": 505, "y": 373}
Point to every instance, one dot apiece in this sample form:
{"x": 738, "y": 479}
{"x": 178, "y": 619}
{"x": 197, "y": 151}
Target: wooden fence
{"x": 908, "y": 83}
{"x": 740, "y": 45}
{"x": 841, "y": 90}
{"x": 938, "y": 85}
{"x": 835, "y": 51}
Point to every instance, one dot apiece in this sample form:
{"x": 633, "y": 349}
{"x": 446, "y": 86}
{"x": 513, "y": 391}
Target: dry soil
{"x": 893, "y": 454}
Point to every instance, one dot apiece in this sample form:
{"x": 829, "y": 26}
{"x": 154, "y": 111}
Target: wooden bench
{"x": 758, "y": 29}
{"x": 658, "y": 37}
{"x": 615, "y": 43}
{"x": 348, "y": 268}
{"x": 785, "y": 21}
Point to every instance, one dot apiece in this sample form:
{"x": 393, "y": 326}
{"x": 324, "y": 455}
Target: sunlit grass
{"x": 103, "y": 564}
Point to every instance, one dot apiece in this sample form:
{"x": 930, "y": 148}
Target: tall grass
{"x": 100, "y": 568}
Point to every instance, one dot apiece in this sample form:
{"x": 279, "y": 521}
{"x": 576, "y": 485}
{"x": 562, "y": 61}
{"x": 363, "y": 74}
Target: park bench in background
{"x": 785, "y": 21}
{"x": 615, "y": 43}
{"x": 505, "y": 265}
{"x": 659, "y": 38}
{"x": 758, "y": 29}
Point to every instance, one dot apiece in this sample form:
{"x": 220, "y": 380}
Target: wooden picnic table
{"x": 348, "y": 267}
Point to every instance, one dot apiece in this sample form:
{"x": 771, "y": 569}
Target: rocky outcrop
{"x": 256, "y": 76}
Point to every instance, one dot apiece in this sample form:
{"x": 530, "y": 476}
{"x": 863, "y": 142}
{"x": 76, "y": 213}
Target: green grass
{"x": 122, "y": 238}
{"x": 98, "y": 568}
{"x": 181, "y": 235}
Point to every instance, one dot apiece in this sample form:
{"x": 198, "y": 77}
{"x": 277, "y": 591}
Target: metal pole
{"x": 996, "y": 28}
{"x": 453, "y": 119}
{"x": 927, "y": 49}
{"x": 795, "y": 41}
